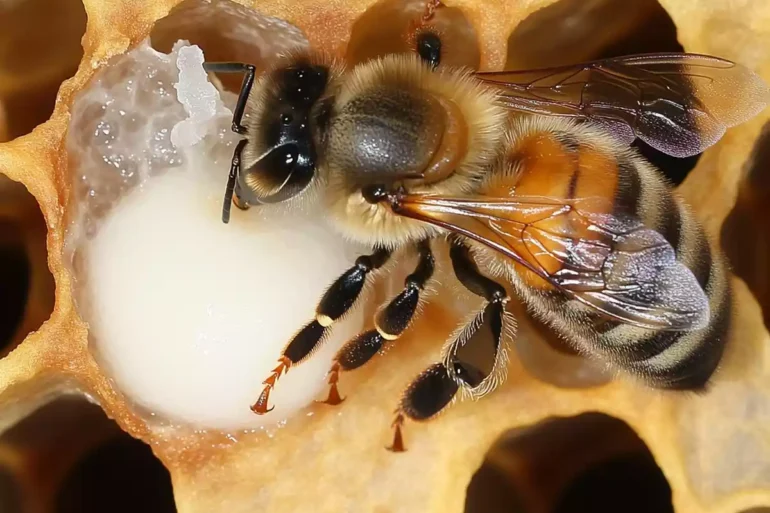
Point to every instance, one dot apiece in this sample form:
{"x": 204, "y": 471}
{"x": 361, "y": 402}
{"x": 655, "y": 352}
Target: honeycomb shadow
{"x": 745, "y": 235}
{"x": 121, "y": 467}
{"x": 27, "y": 285}
{"x": 588, "y": 463}
{"x": 69, "y": 457}
{"x": 39, "y": 49}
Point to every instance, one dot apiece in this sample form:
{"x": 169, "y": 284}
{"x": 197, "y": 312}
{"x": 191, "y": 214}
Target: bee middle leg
{"x": 475, "y": 359}
{"x": 391, "y": 321}
{"x": 337, "y": 301}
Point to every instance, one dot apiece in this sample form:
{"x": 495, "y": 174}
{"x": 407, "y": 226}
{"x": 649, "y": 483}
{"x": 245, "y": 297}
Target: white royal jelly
{"x": 189, "y": 315}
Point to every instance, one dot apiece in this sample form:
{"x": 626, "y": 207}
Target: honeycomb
{"x": 559, "y": 436}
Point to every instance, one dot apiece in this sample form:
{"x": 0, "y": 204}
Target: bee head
{"x": 280, "y": 160}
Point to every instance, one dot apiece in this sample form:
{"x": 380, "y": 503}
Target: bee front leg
{"x": 390, "y": 322}
{"x": 338, "y": 299}
{"x": 475, "y": 359}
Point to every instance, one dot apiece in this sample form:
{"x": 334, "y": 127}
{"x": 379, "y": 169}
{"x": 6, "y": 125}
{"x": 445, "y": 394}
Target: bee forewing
{"x": 611, "y": 264}
{"x": 645, "y": 285}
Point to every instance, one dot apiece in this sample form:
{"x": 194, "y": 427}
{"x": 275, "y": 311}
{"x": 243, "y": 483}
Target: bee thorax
{"x": 386, "y": 135}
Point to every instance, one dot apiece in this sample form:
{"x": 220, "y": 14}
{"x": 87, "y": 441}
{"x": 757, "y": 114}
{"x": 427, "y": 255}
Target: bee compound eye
{"x": 281, "y": 162}
{"x": 270, "y": 174}
{"x": 288, "y": 157}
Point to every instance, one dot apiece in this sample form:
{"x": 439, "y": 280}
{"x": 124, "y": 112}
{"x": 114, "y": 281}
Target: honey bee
{"x": 529, "y": 178}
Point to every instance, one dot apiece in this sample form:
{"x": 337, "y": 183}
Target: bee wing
{"x": 677, "y": 103}
{"x": 613, "y": 264}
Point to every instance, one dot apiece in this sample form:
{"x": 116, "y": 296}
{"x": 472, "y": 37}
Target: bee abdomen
{"x": 663, "y": 359}
{"x": 673, "y": 359}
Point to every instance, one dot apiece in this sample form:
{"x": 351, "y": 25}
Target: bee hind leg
{"x": 337, "y": 301}
{"x": 391, "y": 321}
{"x": 474, "y": 360}
{"x": 478, "y": 356}
{"x": 425, "y": 397}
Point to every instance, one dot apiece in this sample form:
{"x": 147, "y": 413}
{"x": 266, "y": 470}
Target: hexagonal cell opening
{"x": 35, "y": 457}
{"x": 14, "y": 274}
{"x": 227, "y": 31}
{"x": 28, "y": 286}
{"x": 10, "y": 499}
{"x": 86, "y": 464}
{"x": 120, "y": 475}
{"x": 590, "y": 462}
{"x": 745, "y": 234}
{"x": 573, "y": 31}
{"x": 409, "y": 26}
{"x": 39, "y": 49}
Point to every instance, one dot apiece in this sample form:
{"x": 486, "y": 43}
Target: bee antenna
{"x": 228, "y": 199}
{"x": 235, "y": 168}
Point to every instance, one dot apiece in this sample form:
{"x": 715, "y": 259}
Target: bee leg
{"x": 473, "y": 361}
{"x": 390, "y": 322}
{"x": 425, "y": 397}
{"x": 248, "y": 82}
{"x": 351, "y": 356}
{"x": 477, "y": 356}
{"x": 338, "y": 299}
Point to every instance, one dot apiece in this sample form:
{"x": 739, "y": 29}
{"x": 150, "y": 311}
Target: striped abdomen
{"x": 552, "y": 158}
